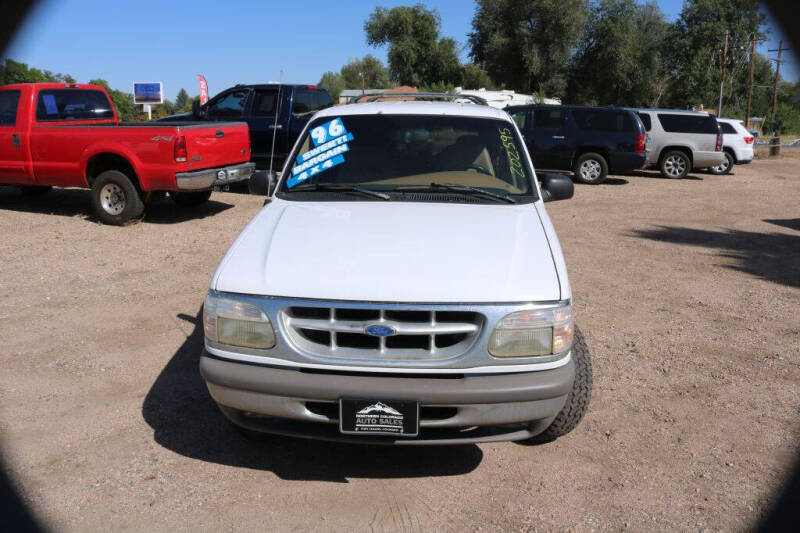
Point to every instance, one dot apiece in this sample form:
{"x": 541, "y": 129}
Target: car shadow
{"x": 791, "y": 223}
{"x": 770, "y": 256}
{"x": 657, "y": 175}
{"x": 77, "y": 203}
{"x": 615, "y": 181}
{"x": 186, "y": 420}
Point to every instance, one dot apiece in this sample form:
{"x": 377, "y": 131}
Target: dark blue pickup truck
{"x": 257, "y": 105}
{"x": 588, "y": 141}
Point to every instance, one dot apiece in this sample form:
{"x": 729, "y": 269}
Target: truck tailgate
{"x": 215, "y": 145}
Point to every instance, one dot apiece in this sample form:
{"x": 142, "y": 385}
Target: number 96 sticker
{"x": 329, "y": 130}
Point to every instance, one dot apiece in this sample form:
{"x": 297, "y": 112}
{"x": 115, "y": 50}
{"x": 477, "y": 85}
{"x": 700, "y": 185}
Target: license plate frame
{"x": 365, "y": 417}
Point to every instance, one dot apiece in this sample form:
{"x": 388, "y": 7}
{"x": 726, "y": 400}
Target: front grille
{"x": 340, "y": 332}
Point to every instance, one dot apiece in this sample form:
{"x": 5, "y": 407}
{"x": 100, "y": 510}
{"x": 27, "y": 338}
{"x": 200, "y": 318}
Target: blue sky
{"x": 229, "y": 42}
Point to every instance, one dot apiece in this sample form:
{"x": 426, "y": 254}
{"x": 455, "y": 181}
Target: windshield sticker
{"x": 330, "y": 143}
{"x": 324, "y": 147}
{"x": 330, "y": 130}
{"x": 297, "y": 169}
{"x": 514, "y": 162}
{"x": 314, "y": 170}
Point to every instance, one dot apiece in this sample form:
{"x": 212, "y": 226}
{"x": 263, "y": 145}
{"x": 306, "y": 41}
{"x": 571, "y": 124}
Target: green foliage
{"x": 474, "y": 77}
{"x": 333, "y": 83}
{"x": 526, "y": 45}
{"x": 785, "y": 121}
{"x": 183, "y": 104}
{"x": 15, "y": 72}
{"x": 618, "y": 62}
{"x": 437, "y": 87}
{"x": 417, "y": 53}
{"x": 694, "y": 49}
{"x": 366, "y": 73}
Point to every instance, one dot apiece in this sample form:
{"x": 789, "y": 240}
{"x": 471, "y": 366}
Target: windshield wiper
{"x": 459, "y": 188}
{"x": 341, "y": 188}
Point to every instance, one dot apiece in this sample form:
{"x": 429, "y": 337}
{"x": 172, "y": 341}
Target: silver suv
{"x": 679, "y": 141}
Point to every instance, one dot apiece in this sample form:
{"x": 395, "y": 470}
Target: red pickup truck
{"x": 68, "y": 135}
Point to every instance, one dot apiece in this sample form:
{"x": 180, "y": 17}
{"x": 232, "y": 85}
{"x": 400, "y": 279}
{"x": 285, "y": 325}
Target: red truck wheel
{"x": 115, "y": 199}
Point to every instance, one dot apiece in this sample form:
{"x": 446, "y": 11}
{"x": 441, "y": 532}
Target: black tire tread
{"x": 580, "y": 395}
{"x": 135, "y": 208}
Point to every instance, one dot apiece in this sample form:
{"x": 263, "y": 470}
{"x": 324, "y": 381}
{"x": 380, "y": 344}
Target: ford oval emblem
{"x": 379, "y": 330}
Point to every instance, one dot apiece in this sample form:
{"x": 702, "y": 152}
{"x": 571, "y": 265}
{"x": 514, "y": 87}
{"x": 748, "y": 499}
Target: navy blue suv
{"x": 588, "y": 141}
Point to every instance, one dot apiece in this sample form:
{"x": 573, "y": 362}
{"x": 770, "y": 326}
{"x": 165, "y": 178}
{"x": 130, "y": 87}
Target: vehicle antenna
{"x": 275, "y": 125}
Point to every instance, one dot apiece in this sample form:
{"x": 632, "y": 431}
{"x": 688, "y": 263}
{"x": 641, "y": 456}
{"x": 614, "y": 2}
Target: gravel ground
{"x": 687, "y": 291}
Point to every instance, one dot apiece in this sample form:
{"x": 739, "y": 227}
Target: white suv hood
{"x": 393, "y": 252}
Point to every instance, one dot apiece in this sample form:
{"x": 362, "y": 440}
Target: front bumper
{"x": 453, "y": 408}
{"x": 202, "y": 180}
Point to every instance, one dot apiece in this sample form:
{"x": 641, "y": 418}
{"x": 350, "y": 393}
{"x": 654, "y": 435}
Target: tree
{"x": 417, "y": 53}
{"x": 786, "y": 120}
{"x": 474, "y": 77}
{"x": 367, "y": 73}
{"x": 333, "y": 83}
{"x": 15, "y": 72}
{"x": 619, "y": 59}
{"x": 182, "y": 102}
{"x": 526, "y": 45}
{"x": 694, "y": 49}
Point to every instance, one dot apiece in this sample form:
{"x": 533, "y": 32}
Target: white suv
{"x": 403, "y": 285}
{"x": 737, "y": 143}
{"x": 678, "y": 141}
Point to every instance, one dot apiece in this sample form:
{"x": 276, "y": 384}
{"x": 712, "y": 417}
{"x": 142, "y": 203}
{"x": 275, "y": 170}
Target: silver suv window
{"x": 688, "y": 123}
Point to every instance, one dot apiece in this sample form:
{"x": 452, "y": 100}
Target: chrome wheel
{"x": 675, "y": 166}
{"x": 112, "y": 198}
{"x": 590, "y": 170}
{"x": 724, "y": 167}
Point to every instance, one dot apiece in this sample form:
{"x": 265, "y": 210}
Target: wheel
{"x": 578, "y": 399}
{"x": 115, "y": 198}
{"x": 591, "y": 168}
{"x": 724, "y": 168}
{"x": 675, "y": 164}
{"x": 35, "y": 190}
{"x": 190, "y": 199}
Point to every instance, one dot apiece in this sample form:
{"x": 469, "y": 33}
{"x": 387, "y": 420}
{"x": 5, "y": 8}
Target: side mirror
{"x": 263, "y": 183}
{"x": 556, "y": 187}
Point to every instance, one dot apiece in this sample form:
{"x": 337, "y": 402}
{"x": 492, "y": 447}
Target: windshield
{"x": 396, "y": 152}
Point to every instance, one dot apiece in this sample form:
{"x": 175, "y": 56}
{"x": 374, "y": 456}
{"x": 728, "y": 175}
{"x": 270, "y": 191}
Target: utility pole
{"x": 750, "y": 92}
{"x": 778, "y": 62}
{"x": 722, "y": 80}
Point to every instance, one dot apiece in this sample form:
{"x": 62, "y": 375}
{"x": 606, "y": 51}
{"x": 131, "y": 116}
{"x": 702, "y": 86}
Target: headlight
{"x": 228, "y": 321}
{"x": 545, "y": 331}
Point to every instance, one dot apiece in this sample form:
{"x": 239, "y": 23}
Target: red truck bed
{"x": 67, "y": 135}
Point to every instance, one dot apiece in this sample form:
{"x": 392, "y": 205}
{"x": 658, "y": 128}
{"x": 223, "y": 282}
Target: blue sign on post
{"x": 148, "y": 93}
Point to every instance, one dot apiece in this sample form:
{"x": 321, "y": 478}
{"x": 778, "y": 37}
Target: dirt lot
{"x": 688, "y": 293}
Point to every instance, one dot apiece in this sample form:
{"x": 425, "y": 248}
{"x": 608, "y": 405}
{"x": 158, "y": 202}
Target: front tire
{"x": 675, "y": 165}
{"x": 578, "y": 400}
{"x": 190, "y": 199}
{"x": 724, "y": 168}
{"x": 591, "y": 168}
{"x": 115, "y": 199}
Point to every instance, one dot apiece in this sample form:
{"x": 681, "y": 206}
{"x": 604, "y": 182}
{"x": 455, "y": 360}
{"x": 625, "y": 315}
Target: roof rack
{"x": 433, "y": 96}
